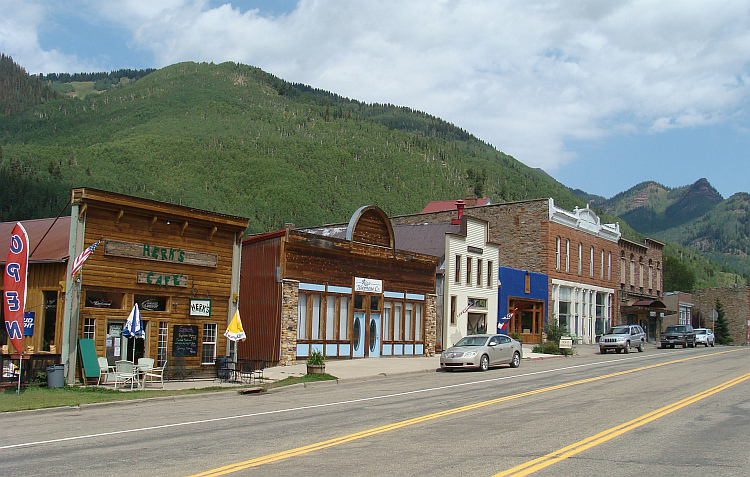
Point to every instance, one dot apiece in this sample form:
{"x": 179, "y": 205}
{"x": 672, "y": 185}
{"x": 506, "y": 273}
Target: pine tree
{"x": 721, "y": 327}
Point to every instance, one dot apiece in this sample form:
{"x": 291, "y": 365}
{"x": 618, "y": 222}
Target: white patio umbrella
{"x": 134, "y": 326}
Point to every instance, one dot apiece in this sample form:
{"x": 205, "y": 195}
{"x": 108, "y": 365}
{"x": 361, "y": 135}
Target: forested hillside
{"x": 18, "y": 90}
{"x": 234, "y": 139}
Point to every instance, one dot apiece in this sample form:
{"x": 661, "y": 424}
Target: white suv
{"x": 704, "y": 336}
{"x": 622, "y": 338}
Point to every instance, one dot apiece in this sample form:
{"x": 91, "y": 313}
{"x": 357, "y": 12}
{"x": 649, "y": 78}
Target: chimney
{"x": 471, "y": 201}
{"x": 460, "y": 204}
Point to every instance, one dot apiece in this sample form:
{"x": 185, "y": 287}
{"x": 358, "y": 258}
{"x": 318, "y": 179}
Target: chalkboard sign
{"x": 89, "y": 362}
{"x": 185, "y": 340}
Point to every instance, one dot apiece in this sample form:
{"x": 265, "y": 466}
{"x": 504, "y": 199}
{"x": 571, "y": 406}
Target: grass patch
{"x": 38, "y": 397}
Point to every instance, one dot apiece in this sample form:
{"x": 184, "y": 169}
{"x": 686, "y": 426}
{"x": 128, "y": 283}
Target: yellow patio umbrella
{"x": 234, "y": 331}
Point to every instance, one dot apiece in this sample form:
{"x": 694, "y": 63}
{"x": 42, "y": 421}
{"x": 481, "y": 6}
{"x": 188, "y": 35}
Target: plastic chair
{"x": 106, "y": 371}
{"x": 125, "y": 372}
{"x": 155, "y": 374}
{"x": 260, "y": 366}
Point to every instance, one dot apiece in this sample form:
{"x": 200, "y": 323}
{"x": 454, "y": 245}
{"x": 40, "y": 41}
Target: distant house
{"x": 443, "y": 205}
{"x": 466, "y": 275}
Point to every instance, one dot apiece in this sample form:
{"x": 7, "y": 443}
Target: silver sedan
{"x": 482, "y": 351}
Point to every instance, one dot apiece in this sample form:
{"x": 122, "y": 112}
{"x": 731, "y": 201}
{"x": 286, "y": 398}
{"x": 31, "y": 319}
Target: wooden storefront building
{"x": 344, "y": 290}
{"x": 179, "y": 264}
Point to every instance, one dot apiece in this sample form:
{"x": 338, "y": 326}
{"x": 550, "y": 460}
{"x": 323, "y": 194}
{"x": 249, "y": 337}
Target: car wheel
{"x": 712, "y": 344}
{"x": 685, "y": 345}
{"x": 706, "y": 344}
{"x": 641, "y": 347}
{"x": 626, "y": 350}
{"x": 602, "y": 351}
{"x": 619, "y": 350}
{"x": 484, "y": 363}
{"x": 516, "y": 361}
{"x": 671, "y": 346}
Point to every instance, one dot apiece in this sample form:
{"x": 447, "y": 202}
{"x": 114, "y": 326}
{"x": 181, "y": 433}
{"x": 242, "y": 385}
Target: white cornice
{"x": 584, "y": 220}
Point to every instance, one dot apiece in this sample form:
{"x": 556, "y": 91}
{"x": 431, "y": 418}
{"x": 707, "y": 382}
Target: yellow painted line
{"x": 417, "y": 420}
{"x": 580, "y": 446}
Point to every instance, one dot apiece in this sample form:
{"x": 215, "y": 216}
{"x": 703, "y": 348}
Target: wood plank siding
{"x": 164, "y": 253}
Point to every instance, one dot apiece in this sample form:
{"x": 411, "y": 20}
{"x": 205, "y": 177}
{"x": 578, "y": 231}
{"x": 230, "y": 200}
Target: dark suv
{"x": 678, "y": 335}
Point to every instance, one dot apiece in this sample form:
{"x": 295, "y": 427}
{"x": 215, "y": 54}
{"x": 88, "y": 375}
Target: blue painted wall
{"x": 513, "y": 283}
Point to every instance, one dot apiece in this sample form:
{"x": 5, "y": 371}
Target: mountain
{"x": 234, "y": 139}
{"x": 650, "y": 207}
{"x": 18, "y": 90}
{"x": 696, "y": 221}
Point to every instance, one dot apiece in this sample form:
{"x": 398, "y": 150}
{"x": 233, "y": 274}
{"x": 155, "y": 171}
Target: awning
{"x": 649, "y": 304}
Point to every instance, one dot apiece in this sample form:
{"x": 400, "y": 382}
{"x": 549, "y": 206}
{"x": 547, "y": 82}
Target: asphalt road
{"x": 660, "y": 412}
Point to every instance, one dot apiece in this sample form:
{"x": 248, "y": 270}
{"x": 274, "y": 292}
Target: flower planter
{"x": 316, "y": 369}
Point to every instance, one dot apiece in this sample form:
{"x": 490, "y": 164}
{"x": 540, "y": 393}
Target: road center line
{"x": 417, "y": 420}
{"x": 337, "y": 403}
{"x": 582, "y": 445}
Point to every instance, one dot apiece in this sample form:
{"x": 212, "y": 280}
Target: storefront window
{"x": 418, "y": 325}
{"x": 88, "y": 331}
{"x": 208, "y": 353}
{"x": 161, "y": 354}
{"x": 330, "y": 317}
{"x": 151, "y": 302}
{"x": 407, "y": 321}
{"x": 50, "y": 319}
{"x": 397, "y": 334}
{"x": 387, "y": 306}
{"x": 343, "y": 317}
{"x": 103, "y": 299}
{"x": 302, "y": 316}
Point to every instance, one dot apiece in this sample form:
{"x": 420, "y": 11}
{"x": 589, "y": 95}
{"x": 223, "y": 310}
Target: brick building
{"x": 736, "y": 304}
{"x": 576, "y": 251}
{"x": 641, "y": 286}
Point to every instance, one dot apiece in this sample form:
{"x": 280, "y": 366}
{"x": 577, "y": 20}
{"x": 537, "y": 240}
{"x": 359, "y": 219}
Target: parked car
{"x": 705, "y": 336}
{"x": 481, "y": 352}
{"x": 678, "y": 335}
{"x": 622, "y": 338}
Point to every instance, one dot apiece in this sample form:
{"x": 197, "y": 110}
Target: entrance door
{"x": 374, "y": 335}
{"x": 528, "y": 320}
{"x": 358, "y": 335}
{"x": 119, "y": 347}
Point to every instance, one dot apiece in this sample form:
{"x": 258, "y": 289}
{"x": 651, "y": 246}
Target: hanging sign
{"x": 14, "y": 282}
{"x": 28, "y": 323}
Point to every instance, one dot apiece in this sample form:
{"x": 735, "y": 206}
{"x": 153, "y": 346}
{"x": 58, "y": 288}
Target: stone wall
{"x": 430, "y": 324}
{"x": 736, "y": 304}
{"x": 289, "y": 311}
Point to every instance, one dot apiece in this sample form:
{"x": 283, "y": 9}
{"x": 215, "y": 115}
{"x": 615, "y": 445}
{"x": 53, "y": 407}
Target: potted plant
{"x": 316, "y": 363}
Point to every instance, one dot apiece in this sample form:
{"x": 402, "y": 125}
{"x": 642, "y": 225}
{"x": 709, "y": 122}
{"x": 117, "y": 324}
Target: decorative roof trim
{"x": 584, "y": 220}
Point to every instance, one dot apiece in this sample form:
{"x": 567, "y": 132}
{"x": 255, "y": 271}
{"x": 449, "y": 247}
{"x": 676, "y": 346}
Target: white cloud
{"x": 523, "y": 75}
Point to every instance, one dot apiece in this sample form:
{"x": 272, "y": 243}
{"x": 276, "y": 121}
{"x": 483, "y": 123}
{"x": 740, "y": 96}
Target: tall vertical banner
{"x": 14, "y": 282}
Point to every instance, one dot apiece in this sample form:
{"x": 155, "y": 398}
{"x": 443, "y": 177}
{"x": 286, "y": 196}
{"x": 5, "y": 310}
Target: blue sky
{"x": 601, "y": 95}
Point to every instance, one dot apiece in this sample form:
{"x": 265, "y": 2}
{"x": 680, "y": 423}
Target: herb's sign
{"x": 163, "y": 279}
{"x": 200, "y": 308}
{"x": 368, "y": 285}
{"x": 159, "y": 253}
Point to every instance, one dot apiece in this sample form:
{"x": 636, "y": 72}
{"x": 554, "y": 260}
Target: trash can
{"x": 223, "y": 367}
{"x": 55, "y": 376}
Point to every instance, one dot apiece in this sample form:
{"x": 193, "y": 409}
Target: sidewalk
{"x": 366, "y": 368}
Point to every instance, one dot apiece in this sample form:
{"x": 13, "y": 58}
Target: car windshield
{"x": 700, "y": 332}
{"x": 619, "y": 330}
{"x": 678, "y": 329}
{"x": 472, "y": 341}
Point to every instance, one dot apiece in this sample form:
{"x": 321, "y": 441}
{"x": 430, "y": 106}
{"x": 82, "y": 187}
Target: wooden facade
{"x": 179, "y": 264}
{"x": 343, "y": 290}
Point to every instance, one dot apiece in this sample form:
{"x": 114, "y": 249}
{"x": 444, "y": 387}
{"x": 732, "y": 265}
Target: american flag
{"x": 78, "y": 262}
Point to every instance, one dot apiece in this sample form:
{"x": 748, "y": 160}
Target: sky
{"x": 602, "y": 95}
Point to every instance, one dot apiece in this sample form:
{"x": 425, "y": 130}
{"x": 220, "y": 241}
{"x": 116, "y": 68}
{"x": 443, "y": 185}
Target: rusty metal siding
{"x": 260, "y": 300}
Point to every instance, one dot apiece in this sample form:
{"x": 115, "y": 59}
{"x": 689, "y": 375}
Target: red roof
{"x": 54, "y": 247}
{"x": 441, "y": 205}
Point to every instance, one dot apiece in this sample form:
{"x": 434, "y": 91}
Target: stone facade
{"x": 736, "y": 304}
{"x": 289, "y": 311}
{"x": 430, "y": 324}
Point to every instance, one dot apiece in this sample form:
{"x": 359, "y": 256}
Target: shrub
{"x": 316, "y": 358}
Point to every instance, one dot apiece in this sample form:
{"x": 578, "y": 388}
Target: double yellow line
{"x": 580, "y": 446}
{"x": 417, "y": 420}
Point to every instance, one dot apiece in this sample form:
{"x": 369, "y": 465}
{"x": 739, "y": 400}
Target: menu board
{"x": 185, "y": 340}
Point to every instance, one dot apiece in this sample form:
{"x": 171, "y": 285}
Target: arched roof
{"x": 369, "y": 224}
